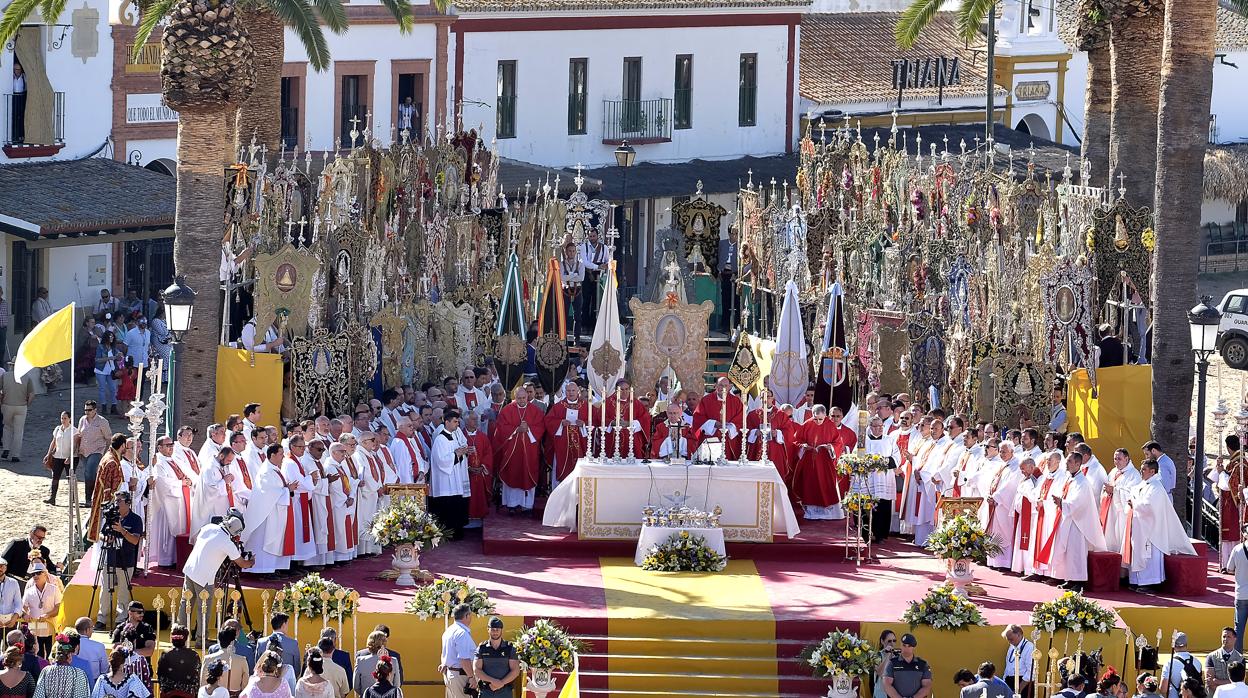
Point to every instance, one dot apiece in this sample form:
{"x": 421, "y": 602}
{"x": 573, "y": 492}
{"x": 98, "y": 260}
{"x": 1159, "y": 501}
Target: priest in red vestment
{"x": 822, "y": 440}
{"x": 567, "y": 437}
{"x": 715, "y": 411}
{"x": 671, "y": 435}
{"x": 781, "y": 450}
{"x": 480, "y": 468}
{"x": 517, "y": 439}
{"x": 633, "y": 420}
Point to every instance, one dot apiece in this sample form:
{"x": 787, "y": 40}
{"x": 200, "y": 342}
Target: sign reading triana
{"x": 938, "y": 71}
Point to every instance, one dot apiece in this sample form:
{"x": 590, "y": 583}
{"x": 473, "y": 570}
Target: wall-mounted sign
{"x": 148, "y": 108}
{"x": 920, "y": 73}
{"x": 1032, "y": 91}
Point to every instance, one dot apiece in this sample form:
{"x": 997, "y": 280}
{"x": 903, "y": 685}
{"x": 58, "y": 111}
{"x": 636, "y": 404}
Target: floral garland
{"x": 405, "y": 523}
{"x": 961, "y": 537}
{"x": 310, "y": 604}
{"x": 861, "y": 463}
{"x": 683, "y": 552}
{"x": 841, "y": 652}
{"x": 1074, "y": 612}
{"x": 439, "y": 599}
{"x": 944, "y": 610}
{"x": 546, "y": 645}
{"x": 857, "y": 503}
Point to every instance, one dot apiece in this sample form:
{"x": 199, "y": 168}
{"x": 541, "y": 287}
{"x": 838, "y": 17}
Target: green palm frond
{"x": 971, "y": 15}
{"x": 914, "y": 19}
{"x": 155, "y": 13}
{"x": 1241, "y": 6}
{"x": 301, "y": 17}
{"x": 14, "y": 15}
{"x": 402, "y": 12}
{"x": 332, "y": 14}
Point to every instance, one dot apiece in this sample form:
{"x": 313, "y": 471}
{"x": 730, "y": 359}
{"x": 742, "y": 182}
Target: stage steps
{"x": 721, "y": 662}
{"x": 719, "y": 351}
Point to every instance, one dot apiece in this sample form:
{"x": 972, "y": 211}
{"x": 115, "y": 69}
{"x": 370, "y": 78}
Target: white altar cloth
{"x": 605, "y": 501}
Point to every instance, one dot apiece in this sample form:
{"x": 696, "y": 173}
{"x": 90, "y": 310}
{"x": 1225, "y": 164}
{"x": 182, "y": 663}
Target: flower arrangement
{"x": 405, "y": 523}
{"x": 961, "y": 537}
{"x": 545, "y": 645}
{"x": 439, "y": 599}
{"x": 1074, "y": 612}
{"x": 310, "y": 603}
{"x": 683, "y": 552}
{"x": 841, "y": 652}
{"x": 944, "y": 610}
{"x": 861, "y": 463}
{"x": 857, "y": 503}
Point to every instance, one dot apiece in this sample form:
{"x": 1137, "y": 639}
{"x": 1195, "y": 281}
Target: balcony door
{"x": 632, "y": 116}
{"x": 354, "y": 110}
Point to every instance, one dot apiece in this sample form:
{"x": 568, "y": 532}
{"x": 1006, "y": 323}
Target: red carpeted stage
{"x": 745, "y": 626}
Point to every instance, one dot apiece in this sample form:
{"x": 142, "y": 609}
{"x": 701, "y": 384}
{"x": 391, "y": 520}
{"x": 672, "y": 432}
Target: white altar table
{"x": 654, "y": 535}
{"x": 603, "y": 501}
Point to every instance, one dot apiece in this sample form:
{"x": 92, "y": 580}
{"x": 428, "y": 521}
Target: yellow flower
{"x": 845, "y": 655}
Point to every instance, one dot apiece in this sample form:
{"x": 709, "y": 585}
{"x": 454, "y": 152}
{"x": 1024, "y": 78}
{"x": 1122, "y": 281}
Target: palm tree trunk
{"x": 196, "y": 253}
{"x": 1135, "y": 58}
{"x": 260, "y": 115}
{"x": 1186, "y": 91}
{"x": 1096, "y": 117}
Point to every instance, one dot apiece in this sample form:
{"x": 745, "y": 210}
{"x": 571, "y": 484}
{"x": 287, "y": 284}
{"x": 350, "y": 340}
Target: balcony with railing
{"x": 638, "y": 121}
{"x": 290, "y": 127}
{"x": 32, "y": 134}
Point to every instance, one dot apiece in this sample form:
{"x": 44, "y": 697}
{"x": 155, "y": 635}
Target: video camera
{"x": 110, "y": 515}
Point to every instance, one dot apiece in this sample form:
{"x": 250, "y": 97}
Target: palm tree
{"x": 919, "y": 14}
{"x": 1186, "y": 90}
{"x": 1092, "y": 36}
{"x": 1136, "y": 30}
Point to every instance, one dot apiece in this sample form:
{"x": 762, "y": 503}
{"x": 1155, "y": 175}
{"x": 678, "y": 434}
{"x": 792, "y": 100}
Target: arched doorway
{"x": 163, "y": 166}
{"x": 1034, "y": 125}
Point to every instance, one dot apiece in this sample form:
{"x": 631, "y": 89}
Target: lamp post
{"x": 1204, "y": 320}
{"x": 624, "y": 157}
{"x": 179, "y": 307}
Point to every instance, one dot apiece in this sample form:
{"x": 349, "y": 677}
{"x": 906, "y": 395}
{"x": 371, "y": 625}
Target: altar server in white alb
{"x": 340, "y": 505}
{"x": 1022, "y": 560}
{"x": 294, "y": 472}
{"x": 1052, "y": 479}
{"x": 313, "y": 460}
{"x": 1077, "y": 528}
{"x": 449, "y": 489}
{"x": 996, "y": 514}
{"x": 174, "y": 500}
{"x": 1115, "y": 498}
{"x": 270, "y": 531}
{"x": 882, "y": 484}
{"x": 368, "y": 497}
{"x": 1154, "y": 530}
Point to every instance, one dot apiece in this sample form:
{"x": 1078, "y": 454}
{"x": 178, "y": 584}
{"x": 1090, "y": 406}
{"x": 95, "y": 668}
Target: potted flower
{"x": 1074, "y": 612}
{"x": 543, "y": 648}
{"x": 961, "y": 541}
{"x": 313, "y": 596}
{"x": 439, "y": 599}
{"x": 843, "y": 657}
{"x": 409, "y": 529}
{"x": 944, "y": 610}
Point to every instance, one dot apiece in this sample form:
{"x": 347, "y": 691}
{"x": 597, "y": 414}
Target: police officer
{"x": 907, "y": 675}
{"x": 496, "y": 664}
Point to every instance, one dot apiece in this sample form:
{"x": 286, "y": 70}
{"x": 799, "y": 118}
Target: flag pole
{"x": 75, "y": 516}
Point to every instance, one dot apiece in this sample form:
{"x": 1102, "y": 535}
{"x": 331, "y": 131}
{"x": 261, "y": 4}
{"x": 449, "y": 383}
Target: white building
{"x": 58, "y": 111}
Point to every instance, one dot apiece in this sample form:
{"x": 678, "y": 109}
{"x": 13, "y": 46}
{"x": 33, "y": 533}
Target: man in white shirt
{"x": 458, "y": 653}
{"x": 1236, "y": 688}
{"x": 270, "y": 342}
{"x": 1164, "y": 462}
{"x": 139, "y": 342}
{"x": 213, "y": 546}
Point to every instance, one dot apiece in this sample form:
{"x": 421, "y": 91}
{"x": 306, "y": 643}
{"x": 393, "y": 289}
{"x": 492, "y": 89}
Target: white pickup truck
{"x": 1233, "y": 332}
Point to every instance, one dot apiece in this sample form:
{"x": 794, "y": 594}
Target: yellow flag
{"x": 50, "y": 342}
{"x": 571, "y": 687}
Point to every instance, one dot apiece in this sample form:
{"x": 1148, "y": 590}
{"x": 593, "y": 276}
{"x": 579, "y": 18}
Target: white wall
{"x": 69, "y": 275}
{"x": 373, "y": 42}
{"x": 1073, "y": 97}
{"x": 86, "y": 81}
{"x": 153, "y": 149}
{"x": 1216, "y": 211}
{"x": 542, "y": 90}
{"x": 1228, "y": 98}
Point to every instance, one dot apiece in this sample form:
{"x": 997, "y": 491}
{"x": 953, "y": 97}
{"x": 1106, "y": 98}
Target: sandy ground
{"x": 25, "y": 485}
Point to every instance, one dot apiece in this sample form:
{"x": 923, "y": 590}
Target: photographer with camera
{"x": 217, "y": 545}
{"x": 121, "y": 529}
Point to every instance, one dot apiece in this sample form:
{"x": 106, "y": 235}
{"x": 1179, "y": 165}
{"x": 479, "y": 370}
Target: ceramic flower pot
{"x": 960, "y": 573}
{"x": 406, "y": 559}
{"x": 842, "y": 686}
{"x": 541, "y": 682}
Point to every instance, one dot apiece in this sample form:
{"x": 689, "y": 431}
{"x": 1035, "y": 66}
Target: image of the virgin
{"x": 321, "y": 361}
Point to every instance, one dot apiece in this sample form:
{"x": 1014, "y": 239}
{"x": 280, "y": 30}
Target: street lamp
{"x": 624, "y": 157}
{"x": 179, "y": 307}
{"x": 1204, "y": 320}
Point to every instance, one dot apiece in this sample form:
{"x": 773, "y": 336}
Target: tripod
{"x": 228, "y": 577}
{"x": 103, "y": 567}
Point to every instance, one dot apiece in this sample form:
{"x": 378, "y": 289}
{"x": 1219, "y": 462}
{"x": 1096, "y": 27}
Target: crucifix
{"x": 303, "y": 222}
{"x": 355, "y": 129}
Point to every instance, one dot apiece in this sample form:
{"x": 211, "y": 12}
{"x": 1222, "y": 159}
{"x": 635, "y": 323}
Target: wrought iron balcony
{"x": 638, "y": 121}
{"x": 19, "y": 129}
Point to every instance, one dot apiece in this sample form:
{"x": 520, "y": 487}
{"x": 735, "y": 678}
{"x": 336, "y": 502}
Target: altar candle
{"x": 723, "y": 412}
{"x": 138, "y": 383}
{"x": 630, "y": 411}
{"x": 765, "y": 420}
